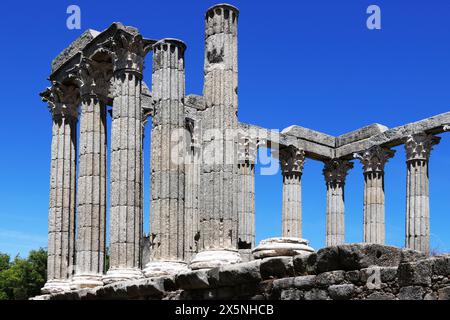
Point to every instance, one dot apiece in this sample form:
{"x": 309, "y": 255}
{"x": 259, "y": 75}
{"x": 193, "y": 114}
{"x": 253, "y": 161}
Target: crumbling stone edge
{"x": 343, "y": 272}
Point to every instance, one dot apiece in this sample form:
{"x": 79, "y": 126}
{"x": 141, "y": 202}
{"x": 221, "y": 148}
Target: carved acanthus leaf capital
{"x": 63, "y": 100}
{"x": 292, "y": 160}
{"x": 93, "y": 77}
{"x": 374, "y": 158}
{"x": 336, "y": 170}
{"x": 419, "y": 146}
{"x": 247, "y": 149}
{"x": 128, "y": 51}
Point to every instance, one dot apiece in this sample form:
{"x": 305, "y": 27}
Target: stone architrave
{"x": 373, "y": 161}
{"x": 335, "y": 171}
{"x": 169, "y": 151}
{"x": 219, "y": 218}
{"x": 63, "y": 101}
{"x": 93, "y": 78}
{"x": 418, "y": 148}
{"x": 126, "y": 216}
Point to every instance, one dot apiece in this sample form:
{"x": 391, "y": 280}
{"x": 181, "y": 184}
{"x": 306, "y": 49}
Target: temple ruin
{"x": 202, "y": 170}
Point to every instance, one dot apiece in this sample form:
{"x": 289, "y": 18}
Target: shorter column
{"x": 63, "y": 103}
{"x": 292, "y": 161}
{"x": 247, "y": 152}
{"x": 335, "y": 172}
{"x": 290, "y": 243}
{"x": 373, "y": 161}
{"x": 418, "y": 148}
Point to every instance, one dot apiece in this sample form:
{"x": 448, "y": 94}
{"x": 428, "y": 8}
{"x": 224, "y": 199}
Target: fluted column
{"x": 167, "y": 226}
{"x": 246, "y": 195}
{"x": 335, "y": 172}
{"x": 126, "y": 158}
{"x": 192, "y": 190}
{"x": 418, "y": 148}
{"x": 219, "y": 218}
{"x": 91, "y": 190}
{"x": 291, "y": 243}
{"x": 373, "y": 161}
{"x": 63, "y": 103}
{"x": 292, "y": 162}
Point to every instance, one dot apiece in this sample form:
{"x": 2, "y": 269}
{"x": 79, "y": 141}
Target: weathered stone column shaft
{"x": 167, "y": 227}
{"x": 63, "y": 103}
{"x": 374, "y": 160}
{"x": 418, "y": 148}
{"x": 219, "y": 208}
{"x": 292, "y": 162}
{"x": 292, "y": 206}
{"x": 91, "y": 210}
{"x": 247, "y": 205}
{"x": 192, "y": 190}
{"x": 126, "y": 176}
{"x": 62, "y": 198}
{"x": 374, "y": 227}
{"x": 126, "y": 214}
{"x": 335, "y": 172}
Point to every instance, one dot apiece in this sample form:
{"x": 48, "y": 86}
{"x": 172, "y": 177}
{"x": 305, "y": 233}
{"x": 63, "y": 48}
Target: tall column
{"x": 191, "y": 192}
{"x": 292, "y": 162}
{"x": 335, "y": 172}
{"x": 373, "y": 161}
{"x": 63, "y": 103}
{"x": 218, "y": 222}
{"x": 246, "y": 195}
{"x": 91, "y": 191}
{"x": 126, "y": 214}
{"x": 418, "y": 148}
{"x": 169, "y": 151}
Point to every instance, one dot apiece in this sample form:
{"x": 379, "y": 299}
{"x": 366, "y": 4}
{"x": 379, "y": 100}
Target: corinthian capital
{"x": 63, "y": 100}
{"x": 92, "y": 77}
{"x": 247, "y": 149}
{"x": 374, "y": 158}
{"x": 128, "y": 51}
{"x": 419, "y": 146}
{"x": 335, "y": 170}
{"x": 292, "y": 160}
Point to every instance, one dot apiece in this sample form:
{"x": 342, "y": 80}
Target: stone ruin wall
{"x": 344, "y": 272}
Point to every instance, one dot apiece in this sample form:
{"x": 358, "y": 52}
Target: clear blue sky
{"x": 311, "y": 63}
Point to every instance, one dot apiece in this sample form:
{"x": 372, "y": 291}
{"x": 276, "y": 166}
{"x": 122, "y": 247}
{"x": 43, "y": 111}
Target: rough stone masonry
{"x": 202, "y": 218}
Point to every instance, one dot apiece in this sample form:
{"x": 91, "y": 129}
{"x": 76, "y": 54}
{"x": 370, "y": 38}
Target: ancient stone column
{"x": 246, "y": 196}
{"x": 191, "y": 192}
{"x": 292, "y": 162}
{"x": 335, "y": 172}
{"x": 418, "y": 148}
{"x": 63, "y": 103}
{"x": 91, "y": 190}
{"x": 168, "y": 154}
{"x": 126, "y": 214}
{"x": 218, "y": 222}
{"x": 373, "y": 161}
{"x": 290, "y": 243}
